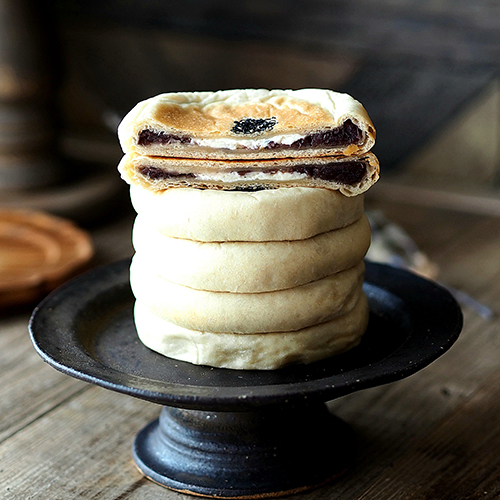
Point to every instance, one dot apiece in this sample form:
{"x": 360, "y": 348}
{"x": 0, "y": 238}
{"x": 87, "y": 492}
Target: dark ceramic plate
{"x": 85, "y": 329}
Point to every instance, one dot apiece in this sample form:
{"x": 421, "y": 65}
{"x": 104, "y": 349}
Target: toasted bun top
{"x": 225, "y": 114}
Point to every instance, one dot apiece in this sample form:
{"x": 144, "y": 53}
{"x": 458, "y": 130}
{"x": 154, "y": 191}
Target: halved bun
{"x": 350, "y": 175}
{"x": 250, "y": 123}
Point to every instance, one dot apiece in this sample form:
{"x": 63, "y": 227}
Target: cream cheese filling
{"x": 250, "y": 176}
{"x": 230, "y": 143}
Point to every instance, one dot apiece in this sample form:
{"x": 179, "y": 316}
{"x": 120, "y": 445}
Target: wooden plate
{"x": 38, "y": 252}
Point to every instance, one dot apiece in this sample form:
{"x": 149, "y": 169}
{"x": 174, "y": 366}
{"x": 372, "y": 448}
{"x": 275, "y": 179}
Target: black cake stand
{"x": 232, "y": 433}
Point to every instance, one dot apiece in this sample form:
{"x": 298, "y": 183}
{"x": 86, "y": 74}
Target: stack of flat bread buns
{"x": 251, "y": 232}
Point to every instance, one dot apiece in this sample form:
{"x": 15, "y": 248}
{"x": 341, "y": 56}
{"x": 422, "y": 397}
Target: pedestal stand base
{"x": 268, "y": 452}
{"x": 281, "y": 444}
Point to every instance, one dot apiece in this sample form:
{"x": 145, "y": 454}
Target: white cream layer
{"x": 250, "y": 176}
{"x": 229, "y": 143}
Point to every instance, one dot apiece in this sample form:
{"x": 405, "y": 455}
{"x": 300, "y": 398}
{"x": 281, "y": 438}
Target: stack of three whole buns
{"x": 250, "y": 233}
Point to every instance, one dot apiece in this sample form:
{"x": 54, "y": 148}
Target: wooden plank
{"x": 391, "y": 420}
{"x": 463, "y": 245}
{"x": 28, "y": 387}
{"x": 81, "y": 450}
{"x": 458, "y": 459}
{"x": 291, "y": 45}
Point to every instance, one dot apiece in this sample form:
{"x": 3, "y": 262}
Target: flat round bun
{"x": 266, "y": 351}
{"x": 267, "y": 215}
{"x": 249, "y": 267}
{"x": 278, "y": 311}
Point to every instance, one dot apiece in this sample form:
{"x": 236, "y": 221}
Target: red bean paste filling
{"x": 155, "y": 173}
{"x": 147, "y": 137}
{"x": 346, "y": 134}
{"x": 348, "y": 173}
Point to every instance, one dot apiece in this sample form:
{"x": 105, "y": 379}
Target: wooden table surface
{"x": 434, "y": 435}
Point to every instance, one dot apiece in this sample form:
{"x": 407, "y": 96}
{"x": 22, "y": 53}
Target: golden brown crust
{"x": 218, "y": 118}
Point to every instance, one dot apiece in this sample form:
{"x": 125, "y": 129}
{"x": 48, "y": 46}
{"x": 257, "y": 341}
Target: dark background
{"x": 426, "y": 71}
